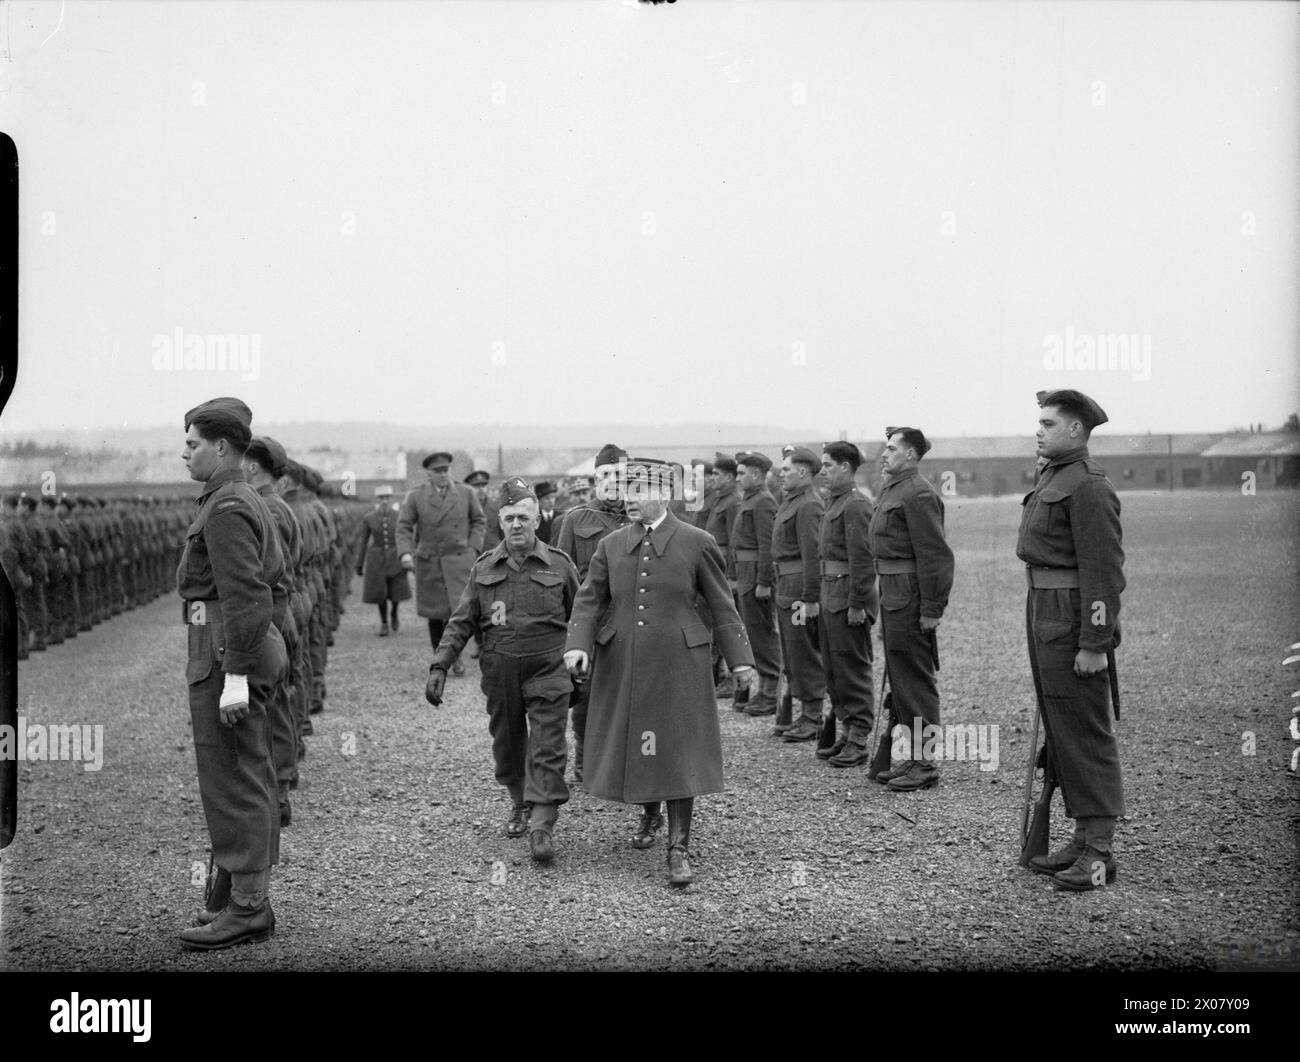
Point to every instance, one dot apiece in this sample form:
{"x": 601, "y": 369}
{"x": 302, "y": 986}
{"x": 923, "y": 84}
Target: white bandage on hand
{"x": 235, "y": 691}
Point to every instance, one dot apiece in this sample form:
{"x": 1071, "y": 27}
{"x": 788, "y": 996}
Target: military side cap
{"x": 754, "y": 459}
{"x": 543, "y": 487}
{"x": 478, "y": 478}
{"x": 913, "y": 437}
{"x": 1075, "y": 403}
{"x": 724, "y": 463}
{"x": 230, "y": 413}
{"x": 383, "y": 491}
{"x": 609, "y": 454}
{"x": 268, "y": 453}
{"x": 515, "y": 490}
{"x": 312, "y": 479}
{"x": 437, "y": 459}
{"x": 802, "y": 455}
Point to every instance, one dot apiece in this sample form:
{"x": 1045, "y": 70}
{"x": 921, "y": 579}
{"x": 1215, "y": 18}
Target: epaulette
{"x": 556, "y": 549}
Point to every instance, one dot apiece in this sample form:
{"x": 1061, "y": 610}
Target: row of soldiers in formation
{"x": 74, "y": 562}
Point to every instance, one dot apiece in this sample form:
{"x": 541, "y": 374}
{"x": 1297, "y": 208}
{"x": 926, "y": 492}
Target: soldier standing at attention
{"x": 798, "y": 591}
{"x": 264, "y": 462}
{"x": 1070, "y": 541}
{"x": 720, "y": 515}
{"x": 517, "y": 602}
{"x": 227, "y": 579}
{"x": 751, "y": 541}
{"x": 580, "y": 533}
{"x": 439, "y": 533}
{"x": 848, "y": 605}
{"x": 915, "y": 566}
{"x": 385, "y": 580}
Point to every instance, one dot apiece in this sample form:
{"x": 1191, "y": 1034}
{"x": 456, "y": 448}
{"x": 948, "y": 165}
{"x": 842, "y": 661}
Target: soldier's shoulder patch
{"x": 228, "y": 504}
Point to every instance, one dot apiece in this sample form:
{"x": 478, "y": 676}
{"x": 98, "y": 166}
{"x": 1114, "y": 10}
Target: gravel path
{"x": 395, "y": 859}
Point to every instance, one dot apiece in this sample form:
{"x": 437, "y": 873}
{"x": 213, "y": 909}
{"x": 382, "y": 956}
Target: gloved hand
{"x": 576, "y": 661}
{"x": 748, "y": 677}
{"x": 433, "y": 688}
{"x": 234, "y": 699}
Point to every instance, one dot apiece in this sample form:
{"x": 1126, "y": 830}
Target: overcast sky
{"x": 807, "y": 214}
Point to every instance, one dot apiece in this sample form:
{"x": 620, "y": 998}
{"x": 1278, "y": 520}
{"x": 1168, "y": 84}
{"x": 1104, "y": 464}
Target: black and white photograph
{"x": 646, "y": 487}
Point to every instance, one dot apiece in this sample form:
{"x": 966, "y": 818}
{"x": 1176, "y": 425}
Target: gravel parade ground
{"x": 395, "y": 859}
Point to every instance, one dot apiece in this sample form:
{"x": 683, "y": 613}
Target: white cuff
{"x": 235, "y": 691}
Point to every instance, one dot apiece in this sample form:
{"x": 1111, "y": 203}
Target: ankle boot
{"x": 236, "y": 924}
{"x": 651, "y": 822}
{"x": 217, "y": 897}
{"x": 679, "y": 840}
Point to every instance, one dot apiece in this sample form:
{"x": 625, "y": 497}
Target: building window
{"x": 1160, "y": 476}
{"x": 1128, "y": 473}
{"x": 1191, "y": 477}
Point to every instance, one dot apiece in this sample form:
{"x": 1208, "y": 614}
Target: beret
{"x": 724, "y": 462}
{"x": 609, "y": 454}
{"x": 802, "y": 455}
{"x": 222, "y": 409}
{"x": 754, "y": 459}
{"x": 1077, "y": 404}
{"x": 268, "y": 453}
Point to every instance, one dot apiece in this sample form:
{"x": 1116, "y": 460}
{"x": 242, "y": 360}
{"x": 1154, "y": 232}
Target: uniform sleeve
{"x": 764, "y": 516}
{"x": 862, "y": 565}
{"x": 934, "y": 562}
{"x": 1094, "y": 524}
{"x": 591, "y": 603}
{"x": 728, "y": 628}
{"x": 235, "y": 553}
{"x": 362, "y": 539}
{"x": 808, "y": 521}
{"x": 570, "y": 586}
{"x": 477, "y": 523}
{"x": 464, "y": 622}
{"x": 407, "y": 518}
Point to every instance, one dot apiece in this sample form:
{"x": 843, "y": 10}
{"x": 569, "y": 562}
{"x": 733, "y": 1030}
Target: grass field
{"x": 395, "y": 859}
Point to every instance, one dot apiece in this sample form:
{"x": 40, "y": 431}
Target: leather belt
{"x": 199, "y": 612}
{"x": 895, "y": 565}
{"x": 789, "y": 567}
{"x": 1052, "y": 578}
{"x": 747, "y": 555}
{"x": 834, "y": 567}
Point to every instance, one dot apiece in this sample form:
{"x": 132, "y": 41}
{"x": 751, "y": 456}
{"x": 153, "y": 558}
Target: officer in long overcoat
{"x": 379, "y": 565}
{"x": 440, "y": 530}
{"x": 652, "y": 727}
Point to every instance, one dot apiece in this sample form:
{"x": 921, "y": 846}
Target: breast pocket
{"x": 543, "y": 594}
{"x": 196, "y": 563}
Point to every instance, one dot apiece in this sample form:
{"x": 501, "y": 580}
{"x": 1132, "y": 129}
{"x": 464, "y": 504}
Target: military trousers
{"x": 1076, "y": 711}
{"x": 847, "y": 658}
{"x": 235, "y": 763}
{"x": 760, "y": 625}
{"x": 527, "y": 701}
{"x": 909, "y": 651}
{"x": 285, "y": 728}
{"x": 802, "y": 656}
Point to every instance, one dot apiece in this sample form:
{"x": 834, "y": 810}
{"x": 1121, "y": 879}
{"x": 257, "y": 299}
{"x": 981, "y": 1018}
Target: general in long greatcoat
{"x": 652, "y": 728}
{"x": 443, "y": 531}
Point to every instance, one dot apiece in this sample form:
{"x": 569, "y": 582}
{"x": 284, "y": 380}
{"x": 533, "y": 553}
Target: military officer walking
{"x": 848, "y": 605}
{"x": 798, "y": 591}
{"x": 439, "y": 533}
{"x": 915, "y": 565}
{"x": 385, "y": 580}
{"x": 1070, "y": 542}
{"x": 227, "y": 579}
{"x": 653, "y": 730}
{"x": 517, "y": 602}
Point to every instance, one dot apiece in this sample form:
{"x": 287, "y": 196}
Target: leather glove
{"x": 433, "y": 688}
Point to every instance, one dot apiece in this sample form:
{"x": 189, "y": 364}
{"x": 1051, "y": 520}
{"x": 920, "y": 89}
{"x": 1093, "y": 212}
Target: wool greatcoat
{"x": 381, "y": 564}
{"x": 444, "y": 533}
{"x": 652, "y": 729}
